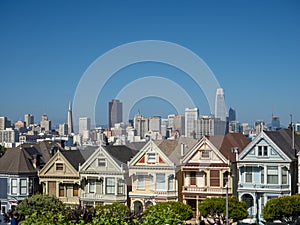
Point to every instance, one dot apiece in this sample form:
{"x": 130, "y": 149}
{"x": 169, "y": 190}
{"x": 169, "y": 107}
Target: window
{"x": 23, "y": 186}
{"x": 140, "y": 182}
{"x": 3, "y": 209}
{"x": 225, "y": 178}
{"x": 284, "y": 173}
{"x": 151, "y": 157}
{"x": 101, "y": 163}
{"x": 171, "y": 183}
{"x": 14, "y": 186}
{"x": 248, "y": 174}
{"x": 31, "y": 186}
{"x": 215, "y": 178}
{"x": 61, "y": 190}
{"x": 160, "y": 184}
{"x": 120, "y": 186}
{"x": 262, "y": 175}
{"x": 205, "y": 154}
{"x": 92, "y": 186}
{"x": 59, "y": 166}
{"x": 75, "y": 190}
{"x": 262, "y": 150}
{"x": 193, "y": 178}
{"x": 272, "y": 176}
{"x": 110, "y": 185}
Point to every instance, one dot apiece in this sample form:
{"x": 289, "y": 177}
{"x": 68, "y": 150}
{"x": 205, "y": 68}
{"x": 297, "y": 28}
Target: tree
{"x": 2, "y": 150}
{"x": 172, "y": 213}
{"x": 285, "y": 208}
{"x": 39, "y": 203}
{"x": 216, "y": 207}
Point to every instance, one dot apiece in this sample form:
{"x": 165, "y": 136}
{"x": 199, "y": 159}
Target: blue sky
{"x": 252, "y": 47}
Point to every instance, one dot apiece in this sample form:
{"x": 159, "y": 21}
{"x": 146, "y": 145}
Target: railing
{"x": 166, "y": 193}
{"x": 72, "y": 200}
{"x": 264, "y": 186}
{"x": 217, "y": 190}
{"x": 103, "y": 197}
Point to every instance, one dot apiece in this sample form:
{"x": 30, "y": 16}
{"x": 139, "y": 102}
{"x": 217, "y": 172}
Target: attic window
{"x": 101, "y": 163}
{"x": 151, "y": 157}
{"x": 262, "y": 150}
{"x": 205, "y": 154}
{"x": 59, "y": 166}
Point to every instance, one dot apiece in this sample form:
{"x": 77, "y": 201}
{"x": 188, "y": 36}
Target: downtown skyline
{"x": 253, "y": 49}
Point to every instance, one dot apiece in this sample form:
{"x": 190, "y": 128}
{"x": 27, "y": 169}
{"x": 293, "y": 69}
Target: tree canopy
{"x": 216, "y": 207}
{"x": 284, "y": 208}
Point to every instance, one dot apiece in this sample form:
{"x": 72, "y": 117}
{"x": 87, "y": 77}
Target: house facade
{"x": 267, "y": 169}
{"x": 60, "y": 176}
{"x": 208, "y": 167}
{"x": 104, "y": 176}
{"x": 154, "y": 173}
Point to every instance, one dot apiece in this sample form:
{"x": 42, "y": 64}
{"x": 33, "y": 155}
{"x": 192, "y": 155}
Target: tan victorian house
{"x": 208, "y": 167}
{"x": 60, "y": 176}
{"x": 154, "y": 172}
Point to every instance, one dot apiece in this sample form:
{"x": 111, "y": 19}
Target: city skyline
{"x": 252, "y": 48}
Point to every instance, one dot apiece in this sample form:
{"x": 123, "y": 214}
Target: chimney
{"x": 182, "y": 149}
{"x": 36, "y": 161}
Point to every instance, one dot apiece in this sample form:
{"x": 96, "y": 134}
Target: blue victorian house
{"x": 267, "y": 169}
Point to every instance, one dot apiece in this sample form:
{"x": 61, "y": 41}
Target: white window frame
{"x": 92, "y": 186}
{"x": 110, "y": 185}
{"x": 140, "y": 182}
{"x": 160, "y": 184}
{"x": 101, "y": 162}
{"x": 272, "y": 171}
{"x": 248, "y": 173}
{"x": 23, "y": 186}
{"x": 14, "y": 186}
{"x": 151, "y": 157}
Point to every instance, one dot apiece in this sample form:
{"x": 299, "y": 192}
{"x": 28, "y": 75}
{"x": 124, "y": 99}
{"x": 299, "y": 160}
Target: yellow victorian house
{"x": 60, "y": 176}
{"x": 154, "y": 172}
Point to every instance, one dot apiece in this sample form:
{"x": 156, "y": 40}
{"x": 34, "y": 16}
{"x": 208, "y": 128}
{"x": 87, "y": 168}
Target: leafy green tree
{"x": 285, "y": 208}
{"x": 172, "y": 213}
{"x": 216, "y": 207}
{"x": 39, "y": 204}
{"x": 2, "y": 150}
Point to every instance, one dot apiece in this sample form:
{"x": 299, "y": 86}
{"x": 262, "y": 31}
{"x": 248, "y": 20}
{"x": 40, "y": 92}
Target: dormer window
{"x": 262, "y": 150}
{"x": 205, "y": 154}
{"x": 151, "y": 157}
{"x": 101, "y": 162}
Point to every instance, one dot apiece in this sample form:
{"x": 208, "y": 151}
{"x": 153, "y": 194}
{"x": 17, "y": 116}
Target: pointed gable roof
{"x": 74, "y": 157}
{"x": 16, "y": 161}
{"x": 121, "y": 153}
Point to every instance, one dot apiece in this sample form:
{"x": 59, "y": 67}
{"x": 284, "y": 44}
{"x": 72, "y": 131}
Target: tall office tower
{"x": 155, "y": 124}
{"x": 84, "y": 124}
{"x": 171, "y": 119}
{"x": 179, "y": 124}
{"x": 141, "y": 124}
{"x": 205, "y": 126}
{"x": 3, "y": 122}
{"x": 115, "y": 112}
{"x": 63, "y": 129}
{"x": 45, "y": 123}
{"x": 220, "y": 108}
{"x": 29, "y": 119}
{"x": 234, "y": 127}
{"x": 70, "y": 120}
{"x": 232, "y": 115}
{"x": 191, "y": 116}
{"x": 275, "y": 125}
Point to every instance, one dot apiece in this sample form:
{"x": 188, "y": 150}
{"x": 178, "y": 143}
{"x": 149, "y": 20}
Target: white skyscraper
{"x": 220, "y": 108}
{"x": 191, "y": 116}
{"x": 84, "y": 124}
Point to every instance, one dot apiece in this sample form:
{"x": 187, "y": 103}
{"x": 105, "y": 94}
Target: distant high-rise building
{"x": 84, "y": 124}
{"x": 115, "y": 112}
{"x": 234, "y": 127}
{"x": 155, "y": 124}
{"x": 191, "y": 116}
{"x": 220, "y": 108}
{"x": 28, "y": 119}
{"x": 179, "y": 124}
{"x": 232, "y": 115}
{"x": 70, "y": 120}
{"x": 275, "y": 124}
{"x": 141, "y": 124}
{"x": 63, "y": 129}
{"x": 45, "y": 123}
{"x": 3, "y": 122}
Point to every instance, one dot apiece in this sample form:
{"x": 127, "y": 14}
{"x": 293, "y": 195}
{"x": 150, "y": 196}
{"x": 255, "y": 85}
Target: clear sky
{"x": 252, "y": 47}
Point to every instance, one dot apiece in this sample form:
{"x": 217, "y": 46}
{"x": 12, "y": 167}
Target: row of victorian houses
{"x": 183, "y": 169}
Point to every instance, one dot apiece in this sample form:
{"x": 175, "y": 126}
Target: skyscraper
{"x": 115, "y": 112}
{"x": 70, "y": 120}
{"x": 191, "y": 116}
{"x": 84, "y": 124}
{"x": 45, "y": 123}
{"x": 29, "y": 119}
{"x": 231, "y": 115}
{"x": 220, "y": 108}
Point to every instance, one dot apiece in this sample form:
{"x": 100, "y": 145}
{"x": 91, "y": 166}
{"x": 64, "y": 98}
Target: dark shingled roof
{"x": 74, "y": 157}
{"x": 16, "y": 161}
{"x": 283, "y": 139}
{"x": 229, "y": 141}
{"x": 122, "y": 153}
{"x": 136, "y": 145}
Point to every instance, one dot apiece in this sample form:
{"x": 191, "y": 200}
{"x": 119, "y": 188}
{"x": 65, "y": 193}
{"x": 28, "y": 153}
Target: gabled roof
{"x": 16, "y": 161}
{"x": 74, "y": 157}
{"x": 122, "y": 153}
{"x": 283, "y": 139}
{"x": 87, "y": 151}
{"x": 229, "y": 141}
{"x": 136, "y": 145}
